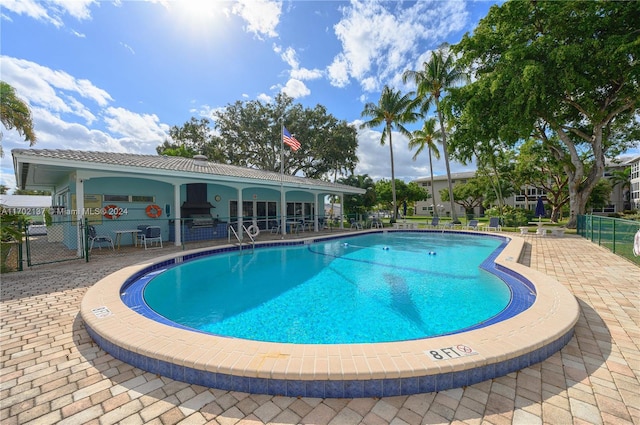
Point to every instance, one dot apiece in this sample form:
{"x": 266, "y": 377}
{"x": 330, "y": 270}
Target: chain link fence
{"x": 65, "y": 238}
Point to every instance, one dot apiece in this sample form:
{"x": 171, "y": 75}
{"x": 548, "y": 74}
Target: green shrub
{"x": 511, "y": 216}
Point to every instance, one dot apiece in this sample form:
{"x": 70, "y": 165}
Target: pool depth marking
{"x": 453, "y": 352}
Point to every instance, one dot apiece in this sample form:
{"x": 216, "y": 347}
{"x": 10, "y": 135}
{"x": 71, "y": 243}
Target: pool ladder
{"x": 238, "y": 238}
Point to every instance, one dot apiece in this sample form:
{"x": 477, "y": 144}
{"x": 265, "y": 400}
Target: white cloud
{"x": 306, "y": 74}
{"x": 144, "y": 127}
{"x": 265, "y": 98}
{"x": 295, "y": 86}
{"x": 51, "y": 11}
{"x": 296, "y": 89}
{"x": 288, "y": 56}
{"x": 379, "y": 38}
{"x": 52, "y": 89}
{"x": 72, "y": 113}
{"x": 375, "y": 159}
{"x": 262, "y": 16}
{"x": 128, "y": 48}
{"x": 338, "y": 71}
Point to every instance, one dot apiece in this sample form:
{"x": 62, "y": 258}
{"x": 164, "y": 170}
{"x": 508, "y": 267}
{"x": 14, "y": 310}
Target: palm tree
{"x": 14, "y": 113}
{"x": 426, "y": 138}
{"x": 393, "y": 110}
{"x": 438, "y": 75}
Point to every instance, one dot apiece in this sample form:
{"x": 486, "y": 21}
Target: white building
{"x": 622, "y": 197}
{"x": 635, "y": 183}
{"x": 33, "y": 206}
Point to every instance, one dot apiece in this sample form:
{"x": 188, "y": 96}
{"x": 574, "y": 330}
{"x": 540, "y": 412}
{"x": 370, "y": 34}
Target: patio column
{"x": 342, "y": 210}
{"x": 240, "y": 213}
{"x": 79, "y": 212}
{"x": 317, "y": 213}
{"x": 283, "y": 212}
{"x": 177, "y": 223}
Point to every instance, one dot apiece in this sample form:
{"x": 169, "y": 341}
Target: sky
{"x": 117, "y": 75}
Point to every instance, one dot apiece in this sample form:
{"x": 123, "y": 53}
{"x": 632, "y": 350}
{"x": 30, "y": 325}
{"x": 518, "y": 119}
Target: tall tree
{"x": 193, "y": 138}
{"x": 410, "y": 192}
{"x": 249, "y": 134}
{"x": 565, "y": 69}
{"x": 422, "y": 139}
{"x": 536, "y": 166}
{"x": 469, "y": 195}
{"x": 359, "y": 204}
{"x": 393, "y": 110}
{"x": 15, "y": 113}
{"x": 439, "y": 74}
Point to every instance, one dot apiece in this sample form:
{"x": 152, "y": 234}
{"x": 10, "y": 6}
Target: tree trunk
{"x": 433, "y": 194}
{"x": 454, "y": 216}
{"x": 393, "y": 179}
{"x": 581, "y": 184}
{"x": 577, "y": 204}
{"x": 555, "y": 214}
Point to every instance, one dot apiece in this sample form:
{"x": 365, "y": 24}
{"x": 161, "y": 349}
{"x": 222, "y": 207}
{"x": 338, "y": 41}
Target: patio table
{"x": 134, "y": 236}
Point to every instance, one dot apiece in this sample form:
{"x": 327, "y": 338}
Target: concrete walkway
{"x": 52, "y": 373}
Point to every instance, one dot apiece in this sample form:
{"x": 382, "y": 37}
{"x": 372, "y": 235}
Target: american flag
{"x": 289, "y": 140}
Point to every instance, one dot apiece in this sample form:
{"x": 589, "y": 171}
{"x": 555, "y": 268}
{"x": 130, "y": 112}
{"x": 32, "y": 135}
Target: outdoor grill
{"x": 201, "y": 220}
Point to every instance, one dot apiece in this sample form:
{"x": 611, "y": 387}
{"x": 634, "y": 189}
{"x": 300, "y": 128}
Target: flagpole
{"x": 283, "y": 206}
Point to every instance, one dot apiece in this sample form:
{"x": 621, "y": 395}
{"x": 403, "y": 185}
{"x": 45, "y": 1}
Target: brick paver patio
{"x": 52, "y": 373}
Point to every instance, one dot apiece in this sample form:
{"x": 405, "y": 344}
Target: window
{"x": 143, "y": 198}
{"x": 116, "y": 198}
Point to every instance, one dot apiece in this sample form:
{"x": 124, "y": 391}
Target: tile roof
{"x": 176, "y": 164}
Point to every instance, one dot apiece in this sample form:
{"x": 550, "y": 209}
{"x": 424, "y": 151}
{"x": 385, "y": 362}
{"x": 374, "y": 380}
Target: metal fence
{"x": 68, "y": 239}
{"x": 613, "y": 233}
{"x": 44, "y": 244}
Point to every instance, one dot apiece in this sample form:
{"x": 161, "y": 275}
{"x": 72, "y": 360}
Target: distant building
{"x": 622, "y": 197}
{"x": 32, "y": 206}
{"x": 634, "y": 193}
{"x": 425, "y": 208}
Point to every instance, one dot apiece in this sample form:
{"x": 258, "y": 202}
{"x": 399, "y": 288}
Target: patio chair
{"x": 448, "y": 225}
{"x": 472, "y": 224}
{"x": 299, "y": 226}
{"x": 355, "y": 224}
{"x": 274, "y": 225}
{"x": 151, "y": 235}
{"x": 140, "y": 236}
{"x": 494, "y": 224}
{"x": 435, "y": 222}
{"x": 100, "y": 239}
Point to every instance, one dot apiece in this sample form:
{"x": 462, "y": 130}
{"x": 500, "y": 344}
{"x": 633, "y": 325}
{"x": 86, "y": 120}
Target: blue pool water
{"x": 370, "y": 288}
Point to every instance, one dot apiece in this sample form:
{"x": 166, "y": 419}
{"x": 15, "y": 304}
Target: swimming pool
{"x": 377, "y": 287}
{"x": 503, "y": 345}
